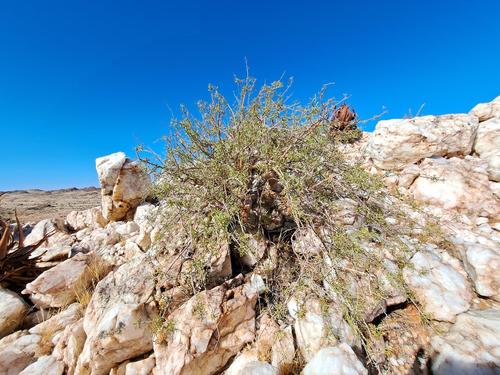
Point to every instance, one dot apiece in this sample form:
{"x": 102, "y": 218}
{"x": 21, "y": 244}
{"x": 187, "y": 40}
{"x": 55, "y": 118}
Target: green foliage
{"x": 265, "y": 166}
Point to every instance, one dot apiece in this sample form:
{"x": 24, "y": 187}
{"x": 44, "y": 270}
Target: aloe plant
{"x": 17, "y": 266}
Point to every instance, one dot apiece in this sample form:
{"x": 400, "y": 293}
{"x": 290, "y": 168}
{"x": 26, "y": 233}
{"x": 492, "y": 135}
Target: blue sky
{"x": 80, "y": 79}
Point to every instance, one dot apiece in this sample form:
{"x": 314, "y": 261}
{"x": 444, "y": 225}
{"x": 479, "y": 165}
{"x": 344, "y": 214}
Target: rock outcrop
{"x": 150, "y": 304}
{"x": 440, "y": 285}
{"x": 456, "y": 184}
{"x": 60, "y": 285}
{"x": 124, "y": 185}
{"x": 487, "y": 145}
{"x": 471, "y": 346}
{"x": 397, "y": 143}
{"x": 116, "y": 319}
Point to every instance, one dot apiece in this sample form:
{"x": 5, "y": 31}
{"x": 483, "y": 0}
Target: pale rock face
{"x": 486, "y": 111}
{"x": 22, "y": 348}
{"x": 443, "y": 291}
{"x": 59, "y": 322}
{"x": 397, "y": 143}
{"x": 53, "y": 253}
{"x": 456, "y": 184}
{"x": 12, "y": 311}
{"x": 472, "y": 345}
{"x": 44, "y": 365}
{"x": 70, "y": 345}
{"x": 116, "y": 319}
{"x": 56, "y": 286}
{"x": 338, "y": 360}
{"x": 17, "y": 351}
{"x": 487, "y": 145}
{"x": 315, "y": 329}
{"x": 41, "y": 229}
{"x": 209, "y": 329}
{"x": 78, "y": 220}
{"x": 124, "y": 185}
{"x": 108, "y": 169}
{"x": 481, "y": 257}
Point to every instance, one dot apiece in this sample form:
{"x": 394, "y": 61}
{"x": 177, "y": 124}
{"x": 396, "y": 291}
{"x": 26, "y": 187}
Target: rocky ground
{"x": 36, "y": 205}
{"x": 114, "y": 304}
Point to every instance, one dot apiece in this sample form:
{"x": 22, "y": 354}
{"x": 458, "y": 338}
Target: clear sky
{"x": 80, "y": 79}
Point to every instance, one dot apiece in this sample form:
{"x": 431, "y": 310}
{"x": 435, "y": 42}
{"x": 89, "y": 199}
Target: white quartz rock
{"x": 456, "y": 184}
{"x": 443, "y": 290}
{"x": 338, "y": 360}
{"x": 45, "y": 365}
{"x": 472, "y": 345}
{"x": 486, "y": 111}
{"x": 487, "y": 146}
{"x": 400, "y": 142}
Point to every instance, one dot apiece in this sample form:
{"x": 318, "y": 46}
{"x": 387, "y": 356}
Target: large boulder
{"x": 90, "y": 218}
{"x": 22, "y": 348}
{"x": 116, "y": 319}
{"x": 124, "y": 185}
{"x": 60, "y": 285}
{"x": 55, "y": 228}
{"x": 487, "y": 146}
{"x": 12, "y": 311}
{"x": 472, "y": 345}
{"x": 486, "y": 111}
{"x": 399, "y": 142}
{"x": 456, "y": 184}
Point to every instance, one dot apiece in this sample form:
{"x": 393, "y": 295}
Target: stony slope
{"x": 118, "y": 305}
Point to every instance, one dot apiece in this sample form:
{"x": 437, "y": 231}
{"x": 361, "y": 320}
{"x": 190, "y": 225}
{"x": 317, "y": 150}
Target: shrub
{"x": 266, "y": 167}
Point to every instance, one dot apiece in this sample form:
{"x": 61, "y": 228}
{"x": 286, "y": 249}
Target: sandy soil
{"x": 35, "y": 205}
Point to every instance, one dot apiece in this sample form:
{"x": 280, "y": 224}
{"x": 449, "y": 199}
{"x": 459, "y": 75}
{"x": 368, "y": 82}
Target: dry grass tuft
{"x": 84, "y": 287}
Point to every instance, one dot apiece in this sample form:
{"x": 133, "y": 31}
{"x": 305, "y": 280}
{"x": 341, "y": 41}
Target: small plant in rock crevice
{"x": 267, "y": 167}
